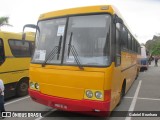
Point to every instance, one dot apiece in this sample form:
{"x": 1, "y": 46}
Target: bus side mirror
{"x": 29, "y": 26}
{"x": 117, "y": 20}
{"x": 23, "y": 36}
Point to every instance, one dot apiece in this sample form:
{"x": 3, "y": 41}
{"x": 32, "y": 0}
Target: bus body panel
{"x": 129, "y": 67}
{"x": 126, "y": 71}
{"x": 74, "y": 82}
{"x": 15, "y": 71}
{"x": 63, "y": 86}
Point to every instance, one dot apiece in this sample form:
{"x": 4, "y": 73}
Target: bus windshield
{"x": 87, "y": 36}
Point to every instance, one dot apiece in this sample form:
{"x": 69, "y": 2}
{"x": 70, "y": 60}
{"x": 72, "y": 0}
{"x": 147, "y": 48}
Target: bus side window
{"x": 118, "y": 44}
{"x": 124, "y": 38}
{"x": 19, "y": 48}
{"x": 2, "y": 56}
{"x": 129, "y": 42}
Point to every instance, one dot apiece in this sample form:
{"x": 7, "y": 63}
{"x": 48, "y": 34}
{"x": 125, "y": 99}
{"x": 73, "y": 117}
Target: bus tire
{"x": 122, "y": 93}
{"x": 137, "y": 75}
{"x": 22, "y": 87}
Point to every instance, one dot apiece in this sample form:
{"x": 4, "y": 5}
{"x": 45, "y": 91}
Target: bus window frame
{"x": 3, "y": 52}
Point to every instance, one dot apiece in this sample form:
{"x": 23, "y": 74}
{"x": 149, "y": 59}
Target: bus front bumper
{"x": 96, "y": 108}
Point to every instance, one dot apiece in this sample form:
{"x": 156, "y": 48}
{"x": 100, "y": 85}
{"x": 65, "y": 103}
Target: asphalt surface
{"x": 144, "y": 95}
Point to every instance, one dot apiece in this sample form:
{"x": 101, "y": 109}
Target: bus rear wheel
{"x": 137, "y": 75}
{"x": 22, "y": 88}
{"x": 122, "y": 94}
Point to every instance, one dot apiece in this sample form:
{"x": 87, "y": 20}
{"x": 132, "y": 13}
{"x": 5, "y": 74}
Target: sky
{"x": 142, "y": 16}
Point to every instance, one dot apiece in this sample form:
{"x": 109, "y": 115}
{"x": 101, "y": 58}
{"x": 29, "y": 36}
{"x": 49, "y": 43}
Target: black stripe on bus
{"x": 13, "y": 71}
{"x": 128, "y": 67}
{"x": 17, "y": 57}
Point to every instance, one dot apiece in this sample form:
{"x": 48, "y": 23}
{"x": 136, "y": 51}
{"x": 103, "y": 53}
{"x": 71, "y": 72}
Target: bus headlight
{"x": 98, "y": 95}
{"x": 36, "y": 85}
{"x": 31, "y": 85}
{"x": 89, "y": 93}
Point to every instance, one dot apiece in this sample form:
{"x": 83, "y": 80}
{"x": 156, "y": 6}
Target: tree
{"x": 4, "y": 21}
{"x": 153, "y": 46}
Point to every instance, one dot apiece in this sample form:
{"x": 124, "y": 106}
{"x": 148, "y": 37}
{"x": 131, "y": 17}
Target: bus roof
{"x": 78, "y": 10}
{"x": 12, "y": 35}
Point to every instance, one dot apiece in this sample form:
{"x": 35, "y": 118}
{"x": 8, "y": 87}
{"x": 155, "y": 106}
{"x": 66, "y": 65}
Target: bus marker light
{"x": 104, "y": 8}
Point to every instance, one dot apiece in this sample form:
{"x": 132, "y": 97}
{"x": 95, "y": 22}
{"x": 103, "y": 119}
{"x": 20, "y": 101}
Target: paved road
{"x": 144, "y": 95}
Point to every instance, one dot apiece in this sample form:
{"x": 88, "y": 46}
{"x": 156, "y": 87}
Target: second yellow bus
{"x": 15, "y": 56}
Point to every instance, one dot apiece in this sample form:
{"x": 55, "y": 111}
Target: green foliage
{"x": 4, "y": 21}
{"x": 153, "y": 46}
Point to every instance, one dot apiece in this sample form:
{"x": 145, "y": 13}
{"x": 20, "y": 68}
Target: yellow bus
{"x": 85, "y": 59}
{"x": 15, "y": 56}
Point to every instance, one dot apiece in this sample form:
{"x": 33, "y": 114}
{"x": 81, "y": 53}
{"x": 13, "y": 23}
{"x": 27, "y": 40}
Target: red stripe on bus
{"x": 92, "y": 107}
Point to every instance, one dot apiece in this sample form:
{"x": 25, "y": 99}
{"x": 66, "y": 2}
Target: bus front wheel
{"x": 22, "y": 88}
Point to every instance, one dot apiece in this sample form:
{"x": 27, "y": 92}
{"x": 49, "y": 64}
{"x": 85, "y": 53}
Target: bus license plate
{"x": 60, "y": 106}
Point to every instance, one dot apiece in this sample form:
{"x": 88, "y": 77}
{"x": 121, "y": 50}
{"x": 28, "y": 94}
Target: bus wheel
{"x": 122, "y": 94}
{"x": 137, "y": 75}
{"x": 22, "y": 88}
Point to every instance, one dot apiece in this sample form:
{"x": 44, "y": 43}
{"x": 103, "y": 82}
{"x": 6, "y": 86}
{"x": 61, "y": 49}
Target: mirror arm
{"x": 117, "y": 19}
{"x": 29, "y": 26}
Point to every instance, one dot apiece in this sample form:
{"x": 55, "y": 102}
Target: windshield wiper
{"x": 74, "y": 52}
{"x": 59, "y": 47}
{"x": 52, "y": 53}
{"x": 55, "y": 50}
